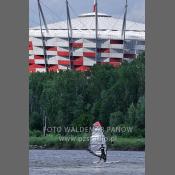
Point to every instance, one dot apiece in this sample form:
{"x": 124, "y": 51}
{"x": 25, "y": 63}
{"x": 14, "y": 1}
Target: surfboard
{"x": 112, "y": 162}
{"x": 108, "y": 162}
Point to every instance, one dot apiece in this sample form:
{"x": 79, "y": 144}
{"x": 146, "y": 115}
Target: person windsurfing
{"x": 103, "y": 155}
{"x": 97, "y": 144}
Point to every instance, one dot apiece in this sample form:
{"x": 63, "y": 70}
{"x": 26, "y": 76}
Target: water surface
{"x": 81, "y": 162}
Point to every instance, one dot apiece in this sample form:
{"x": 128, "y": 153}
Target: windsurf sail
{"x": 97, "y": 139}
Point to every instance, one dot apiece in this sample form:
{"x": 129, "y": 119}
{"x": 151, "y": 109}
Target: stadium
{"x": 81, "y": 42}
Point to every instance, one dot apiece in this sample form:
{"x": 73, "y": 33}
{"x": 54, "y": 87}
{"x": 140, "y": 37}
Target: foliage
{"x": 53, "y": 142}
{"x": 68, "y": 98}
{"x": 128, "y": 144}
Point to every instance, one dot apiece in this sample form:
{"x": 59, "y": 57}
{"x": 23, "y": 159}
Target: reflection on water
{"x": 81, "y": 162}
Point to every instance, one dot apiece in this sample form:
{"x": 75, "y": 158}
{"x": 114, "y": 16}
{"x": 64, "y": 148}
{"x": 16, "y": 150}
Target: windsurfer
{"x": 103, "y": 155}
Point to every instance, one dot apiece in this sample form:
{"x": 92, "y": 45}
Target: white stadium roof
{"x": 84, "y": 26}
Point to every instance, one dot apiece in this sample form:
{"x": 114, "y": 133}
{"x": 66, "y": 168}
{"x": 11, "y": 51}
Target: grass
{"x": 54, "y": 142}
{"x": 48, "y": 141}
{"x": 128, "y": 144}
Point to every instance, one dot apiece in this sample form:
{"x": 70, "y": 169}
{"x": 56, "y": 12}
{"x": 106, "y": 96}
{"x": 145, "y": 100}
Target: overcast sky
{"x": 55, "y": 10}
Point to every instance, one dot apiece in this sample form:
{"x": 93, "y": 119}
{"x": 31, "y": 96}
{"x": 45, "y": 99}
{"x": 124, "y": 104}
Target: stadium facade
{"x": 86, "y": 50}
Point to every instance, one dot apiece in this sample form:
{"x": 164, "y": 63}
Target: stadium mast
{"x": 124, "y": 28}
{"x": 69, "y": 29}
{"x": 41, "y": 15}
{"x": 95, "y": 9}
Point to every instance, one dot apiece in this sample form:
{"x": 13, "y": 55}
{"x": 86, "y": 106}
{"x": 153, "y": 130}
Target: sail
{"x": 97, "y": 139}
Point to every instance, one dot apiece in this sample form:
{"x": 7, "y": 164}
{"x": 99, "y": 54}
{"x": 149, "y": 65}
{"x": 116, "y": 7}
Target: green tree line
{"x": 116, "y": 97}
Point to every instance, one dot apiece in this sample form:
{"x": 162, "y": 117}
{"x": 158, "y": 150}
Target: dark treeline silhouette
{"x": 116, "y": 97}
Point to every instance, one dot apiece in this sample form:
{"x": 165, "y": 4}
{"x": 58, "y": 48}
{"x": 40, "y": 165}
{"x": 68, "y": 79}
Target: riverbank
{"x": 58, "y": 142}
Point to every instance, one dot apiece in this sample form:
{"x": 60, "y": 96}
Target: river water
{"x": 81, "y": 162}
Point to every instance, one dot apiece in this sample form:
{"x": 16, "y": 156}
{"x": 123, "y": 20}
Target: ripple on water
{"x": 78, "y": 162}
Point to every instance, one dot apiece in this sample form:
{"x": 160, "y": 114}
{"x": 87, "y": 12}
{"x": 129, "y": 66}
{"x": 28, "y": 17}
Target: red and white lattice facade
{"x": 109, "y": 47}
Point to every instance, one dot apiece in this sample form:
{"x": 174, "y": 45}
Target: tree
{"x": 132, "y": 115}
{"x": 116, "y": 118}
{"x": 140, "y": 113}
{"x": 36, "y": 121}
{"x": 69, "y": 98}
